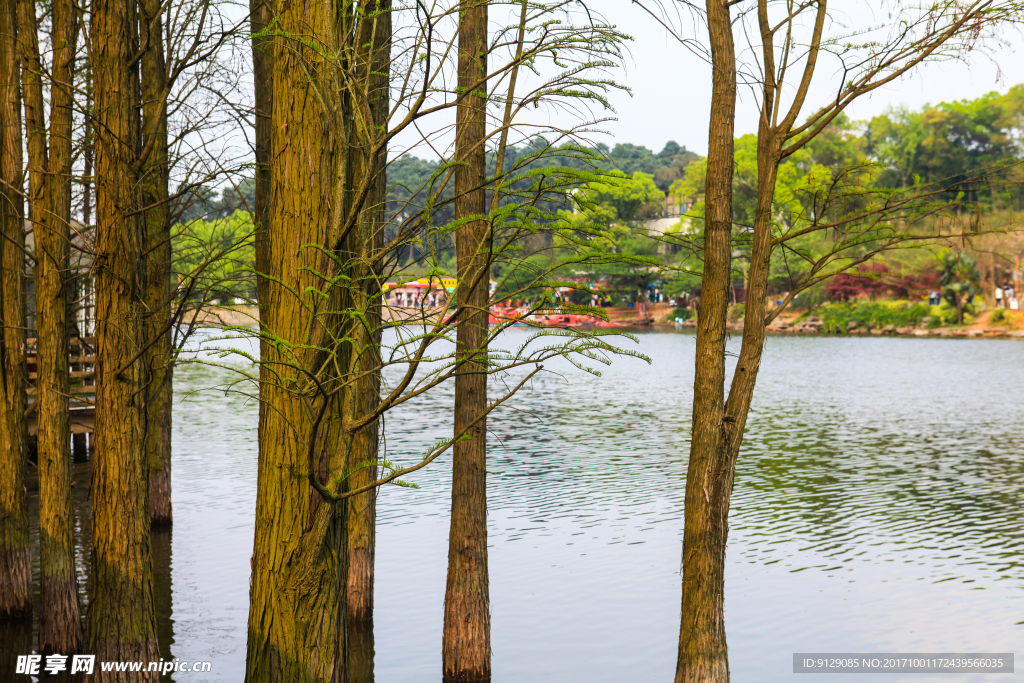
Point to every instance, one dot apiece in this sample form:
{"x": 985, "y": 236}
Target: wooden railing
{"x": 82, "y": 361}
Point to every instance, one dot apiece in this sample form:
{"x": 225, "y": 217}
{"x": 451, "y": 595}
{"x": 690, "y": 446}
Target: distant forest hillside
{"x": 935, "y": 143}
{"x": 627, "y": 184}
{"x": 408, "y": 174}
{"x": 666, "y": 166}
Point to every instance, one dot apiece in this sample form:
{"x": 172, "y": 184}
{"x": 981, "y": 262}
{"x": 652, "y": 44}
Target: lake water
{"x": 879, "y": 507}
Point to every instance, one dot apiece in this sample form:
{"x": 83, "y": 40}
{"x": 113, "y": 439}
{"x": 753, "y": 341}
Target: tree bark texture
{"x": 466, "y": 648}
{"x": 154, "y": 183}
{"x": 121, "y": 621}
{"x": 703, "y": 654}
{"x": 373, "y": 56}
{"x": 297, "y": 596}
{"x": 15, "y": 556}
{"x": 60, "y": 626}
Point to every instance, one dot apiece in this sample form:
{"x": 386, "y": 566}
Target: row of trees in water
{"x": 339, "y": 90}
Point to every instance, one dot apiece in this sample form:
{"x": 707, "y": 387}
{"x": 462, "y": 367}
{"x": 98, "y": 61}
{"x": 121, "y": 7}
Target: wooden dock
{"x": 82, "y": 362}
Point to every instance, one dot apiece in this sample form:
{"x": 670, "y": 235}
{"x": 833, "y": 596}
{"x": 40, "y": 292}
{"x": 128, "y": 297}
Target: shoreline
{"x": 788, "y": 324}
{"x": 801, "y": 330}
{"x": 797, "y": 323}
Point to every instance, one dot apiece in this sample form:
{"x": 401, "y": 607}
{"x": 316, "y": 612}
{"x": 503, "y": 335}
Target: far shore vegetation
{"x": 648, "y": 207}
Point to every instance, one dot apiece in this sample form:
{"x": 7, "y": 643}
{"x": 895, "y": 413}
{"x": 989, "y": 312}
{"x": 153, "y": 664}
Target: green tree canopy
{"x": 220, "y": 255}
{"x": 947, "y": 140}
{"x": 621, "y": 198}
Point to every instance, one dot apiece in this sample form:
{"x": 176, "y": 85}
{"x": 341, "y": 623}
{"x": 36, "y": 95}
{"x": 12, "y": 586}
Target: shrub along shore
{"x": 892, "y": 317}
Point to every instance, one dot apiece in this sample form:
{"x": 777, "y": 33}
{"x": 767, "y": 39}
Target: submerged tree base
{"x": 15, "y": 584}
{"x": 160, "y": 510}
{"x": 60, "y": 623}
{"x": 360, "y": 585}
{"x": 467, "y": 642}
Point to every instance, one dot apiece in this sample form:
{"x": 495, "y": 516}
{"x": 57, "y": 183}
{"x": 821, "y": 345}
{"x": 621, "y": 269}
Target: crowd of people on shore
{"x": 1006, "y": 297}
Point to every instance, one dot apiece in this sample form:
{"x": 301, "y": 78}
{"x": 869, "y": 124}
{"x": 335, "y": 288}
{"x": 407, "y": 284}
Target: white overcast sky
{"x": 672, "y": 88}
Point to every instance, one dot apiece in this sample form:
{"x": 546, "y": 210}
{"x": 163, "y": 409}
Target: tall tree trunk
{"x": 466, "y": 648}
{"x": 260, "y": 17}
{"x": 703, "y": 654}
{"x": 121, "y": 621}
{"x": 158, "y": 264}
{"x": 15, "y": 556}
{"x": 88, "y": 149}
{"x": 741, "y": 390}
{"x": 373, "y": 46}
{"x": 297, "y": 596}
{"x": 60, "y": 626}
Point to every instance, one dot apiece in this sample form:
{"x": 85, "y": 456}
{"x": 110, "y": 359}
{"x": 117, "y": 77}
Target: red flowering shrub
{"x": 873, "y": 280}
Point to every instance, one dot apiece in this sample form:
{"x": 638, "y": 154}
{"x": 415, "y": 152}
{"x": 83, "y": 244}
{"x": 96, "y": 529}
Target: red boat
{"x": 507, "y": 315}
{"x": 571, "y": 320}
{"x": 502, "y": 315}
